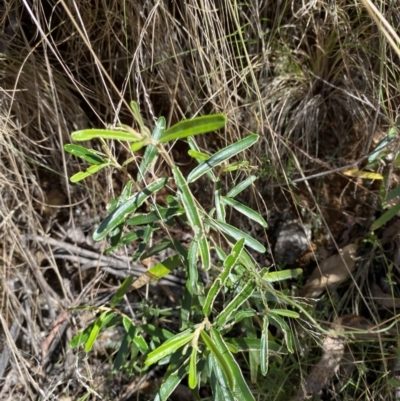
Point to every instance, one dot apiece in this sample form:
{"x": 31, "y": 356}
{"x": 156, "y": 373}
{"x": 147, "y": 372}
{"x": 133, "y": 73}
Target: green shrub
{"x": 211, "y": 331}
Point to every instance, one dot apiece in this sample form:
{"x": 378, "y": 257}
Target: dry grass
{"x": 316, "y": 79}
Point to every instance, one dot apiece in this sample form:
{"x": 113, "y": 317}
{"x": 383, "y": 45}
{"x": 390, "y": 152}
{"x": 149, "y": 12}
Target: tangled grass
{"x": 317, "y": 80}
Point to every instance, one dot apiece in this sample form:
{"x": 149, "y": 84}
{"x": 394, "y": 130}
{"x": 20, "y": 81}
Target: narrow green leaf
{"x": 170, "y": 383}
{"x": 394, "y": 193}
{"x": 166, "y": 243}
{"x": 222, "y": 155}
{"x": 236, "y": 166}
{"x": 160, "y": 213}
{"x": 170, "y": 346}
{"x": 192, "y": 380}
{"x": 193, "y": 274}
{"x": 156, "y": 332}
{"x": 220, "y": 357}
{"x": 381, "y": 146}
{"x": 388, "y": 215}
{"x": 198, "y": 155}
{"x": 195, "y": 126}
{"x": 239, "y": 386}
{"x": 235, "y": 304}
{"x": 243, "y": 314}
{"x": 122, "y": 290}
{"x": 272, "y": 277}
{"x": 287, "y": 313}
{"x": 136, "y": 113}
{"x": 237, "y": 234}
{"x": 281, "y": 324}
{"x": 245, "y": 210}
{"x": 219, "y": 205}
{"x": 100, "y": 322}
{"x": 254, "y": 356}
{"x": 219, "y": 282}
{"x": 193, "y": 146}
{"x": 211, "y": 295}
{"x": 192, "y": 212}
{"x": 150, "y": 154}
{"x": 118, "y": 216}
{"x": 81, "y": 337}
{"x": 264, "y": 354}
{"x": 220, "y": 387}
{"x": 89, "y": 134}
{"x": 241, "y": 187}
{"x": 89, "y": 171}
{"x": 141, "y": 344}
{"x": 252, "y": 344}
{"x": 204, "y": 248}
{"x": 122, "y": 353}
{"x": 89, "y": 156}
{"x": 134, "y": 236}
{"x": 125, "y": 195}
{"x": 136, "y": 146}
{"x": 157, "y": 272}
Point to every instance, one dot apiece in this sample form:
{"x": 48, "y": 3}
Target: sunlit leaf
{"x": 282, "y": 325}
{"x": 157, "y": 272}
{"x": 160, "y": 213}
{"x": 90, "y": 171}
{"x": 89, "y": 134}
{"x": 264, "y": 354}
{"x": 171, "y": 382}
{"x": 89, "y": 156}
{"x": 245, "y": 210}
{"x": 239, "y": 386}
{"x": 136, "y": 113}
{"x": 204, "y": 248}
{"x": 237, "y": 234}
{"x": 282, "y": 275}
{"x": 198, "y": 155}
{"x": 235, "y": 304}
{"x": 192, "y": 380}
{"x": 220, "y": 357}
{"x": 235, "y": 166}
{"x": 286, "y": 313}
{"x": 170, "y": 346}
{"x": 219, "y": 205}
{"x": 193, "y": 146}
{"x": 118, "y": 216}
{"x": 244, "y": 344}
{"x": 195, "y": 126}
{"x": 122, "y": 290}
{"x": 382, "y": 145}
{"x": 388, "y": 215}
{"x": 100, "y": 322}
{"x": 136, "y": 146}
{"x": 149, "y": 157}
{"x": 241, "y": 187}
{"x": 188, "y": 201}
{"x": 363, "y": 174}
{"x": 219, "y": 282}
{"x": 220, "y": 387}
{"x": 221, "y": 156}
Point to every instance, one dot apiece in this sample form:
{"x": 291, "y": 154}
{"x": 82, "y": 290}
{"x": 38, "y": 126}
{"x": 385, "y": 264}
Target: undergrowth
{"x": 316, "y": 81}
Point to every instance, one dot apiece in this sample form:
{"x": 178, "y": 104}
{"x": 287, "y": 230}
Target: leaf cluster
{"x": 205, "y": 348}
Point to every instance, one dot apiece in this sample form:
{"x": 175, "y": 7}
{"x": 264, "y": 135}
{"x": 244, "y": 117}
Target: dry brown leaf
{"x": 333, "y": 348}
{"x": 382, "y": 298}
{"x": 330, "y": 271}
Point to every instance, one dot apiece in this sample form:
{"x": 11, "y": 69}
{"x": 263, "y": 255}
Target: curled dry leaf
{"x": 330, "y": 271}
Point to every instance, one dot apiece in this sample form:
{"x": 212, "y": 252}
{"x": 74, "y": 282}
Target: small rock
{"x": 291, "y": 241}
